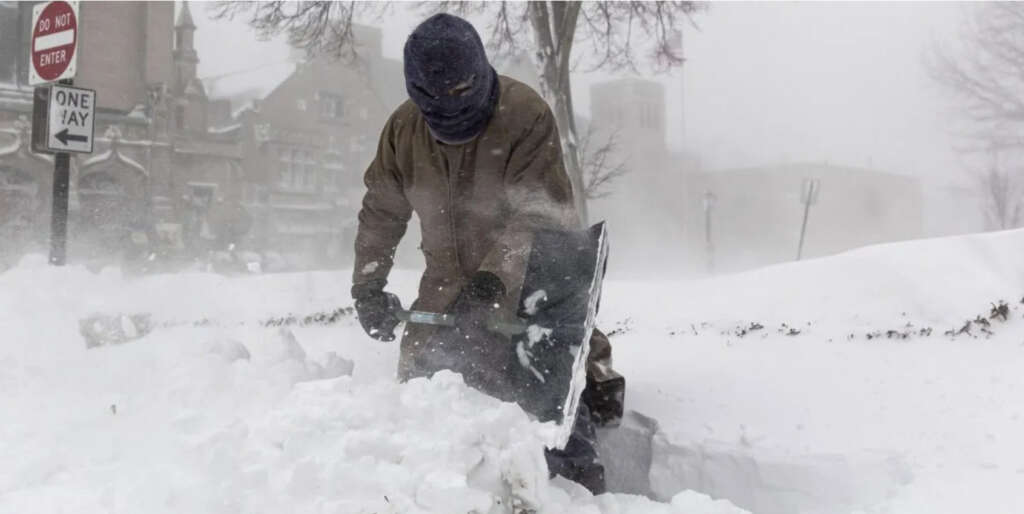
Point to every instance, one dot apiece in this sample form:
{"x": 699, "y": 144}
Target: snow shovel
{"x": 544, "y": 367}
{"x": 562, "y": 293}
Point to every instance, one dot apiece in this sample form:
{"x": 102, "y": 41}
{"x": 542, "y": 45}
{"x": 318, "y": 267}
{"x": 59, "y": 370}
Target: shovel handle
{"x": 425, "y": 318}
{"x": 503, "y": 327}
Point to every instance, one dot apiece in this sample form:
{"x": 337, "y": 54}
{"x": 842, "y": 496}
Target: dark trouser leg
{"x": 579, "y": 461}
{"x": 606, "y": 389}
{"x": 602, "y": 404}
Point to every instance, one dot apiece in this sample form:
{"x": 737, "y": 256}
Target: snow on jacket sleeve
{"x": 384, "y": 216}
{"x": 539, "y": 195}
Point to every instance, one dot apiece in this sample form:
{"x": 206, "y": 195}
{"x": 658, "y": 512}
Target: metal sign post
{"x": 809, "y": 196}
{"x": 59, "y": 216}
{"x": 62, "y": 116}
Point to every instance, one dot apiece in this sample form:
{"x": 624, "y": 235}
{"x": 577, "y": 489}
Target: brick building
{"x": 270, "y": 159}
{"x": 159, "y": 174}
{"x": 307, "y": 131}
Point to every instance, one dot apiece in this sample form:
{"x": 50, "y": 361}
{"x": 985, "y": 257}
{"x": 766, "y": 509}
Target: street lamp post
{"x": 709, "y": 204}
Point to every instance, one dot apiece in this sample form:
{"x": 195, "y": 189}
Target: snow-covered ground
{"x": 844, "y": 400}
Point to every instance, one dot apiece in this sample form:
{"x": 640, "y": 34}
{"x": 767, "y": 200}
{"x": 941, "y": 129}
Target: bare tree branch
{"x": 988, "y": 75}
{"x": 318, "y": 27}
{"x": 602, "y": 163}
{"x": 609, "y": 31}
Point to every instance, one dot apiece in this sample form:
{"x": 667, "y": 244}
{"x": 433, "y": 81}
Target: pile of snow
{"x": 236, "y": 417}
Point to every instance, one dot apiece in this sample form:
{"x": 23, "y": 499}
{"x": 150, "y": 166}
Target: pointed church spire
{"x": 185, "y": 58}
{"x": 185, "y": 17}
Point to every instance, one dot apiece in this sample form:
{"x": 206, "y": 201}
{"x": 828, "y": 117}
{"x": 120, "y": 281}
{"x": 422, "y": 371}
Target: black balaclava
{"x": 448, "y": 77}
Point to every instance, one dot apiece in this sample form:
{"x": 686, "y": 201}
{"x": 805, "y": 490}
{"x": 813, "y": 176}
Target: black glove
{"x": 376, "y": 309}
{"x": 477, "y": 301}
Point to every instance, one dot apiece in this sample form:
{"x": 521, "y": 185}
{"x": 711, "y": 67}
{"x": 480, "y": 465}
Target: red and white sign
{"x": 54, "y": 40}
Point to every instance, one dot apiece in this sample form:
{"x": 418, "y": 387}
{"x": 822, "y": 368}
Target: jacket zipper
{"x": 451, "y": 213}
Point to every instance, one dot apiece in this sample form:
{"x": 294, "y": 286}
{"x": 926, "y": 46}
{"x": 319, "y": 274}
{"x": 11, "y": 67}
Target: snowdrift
{"x": 881, "y": 380}
{"x": 820, "y": 409}
{"x": 933, "y": 280}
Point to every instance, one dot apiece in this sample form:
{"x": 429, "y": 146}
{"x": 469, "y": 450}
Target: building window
{"x": 648, "y": 116}
{"x": 202, "y": 195}
{"x": 179, "y": 117}
{"x": 298, "y": 169}
{"x": 332, "y": 106}
{"x": 261, "y": 132}
{"x": 334, "y": 170}
{"x": 286, "y": 175}
{"x": 15, "y": 18}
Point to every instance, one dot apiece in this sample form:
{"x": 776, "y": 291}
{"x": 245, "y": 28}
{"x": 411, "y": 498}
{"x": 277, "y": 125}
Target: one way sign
{"x": 70, "y": 113}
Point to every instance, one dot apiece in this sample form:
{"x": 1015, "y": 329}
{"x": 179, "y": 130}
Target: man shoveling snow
{"x": 477, "y": 157}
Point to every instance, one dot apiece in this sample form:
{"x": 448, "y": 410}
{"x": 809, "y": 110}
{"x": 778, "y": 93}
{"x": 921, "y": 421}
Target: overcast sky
{"x": 843, "y": 82}
{"x": 764, "y": 83}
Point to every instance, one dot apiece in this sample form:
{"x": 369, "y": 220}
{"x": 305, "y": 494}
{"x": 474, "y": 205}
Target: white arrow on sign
{"x": 71, "y": 119}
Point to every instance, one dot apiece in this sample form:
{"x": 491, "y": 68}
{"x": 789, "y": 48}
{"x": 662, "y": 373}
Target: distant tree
{"x": 616, "y": 33}
{"x": 1002, "y": 183}
{"x": 602, "y": 164}
{"x": 985, "y": 75}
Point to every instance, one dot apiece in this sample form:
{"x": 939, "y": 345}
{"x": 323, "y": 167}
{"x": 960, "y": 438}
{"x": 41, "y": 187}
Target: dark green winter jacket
{"x": 478, "y": 204}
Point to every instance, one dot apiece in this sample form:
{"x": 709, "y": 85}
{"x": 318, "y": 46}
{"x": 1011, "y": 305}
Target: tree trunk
{"x": 554, "y": 27}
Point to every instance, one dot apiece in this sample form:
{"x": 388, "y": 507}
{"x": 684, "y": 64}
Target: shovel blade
{"x": 560, "y": 299}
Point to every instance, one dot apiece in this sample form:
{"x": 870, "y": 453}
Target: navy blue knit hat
{"x": 448, "y": 77}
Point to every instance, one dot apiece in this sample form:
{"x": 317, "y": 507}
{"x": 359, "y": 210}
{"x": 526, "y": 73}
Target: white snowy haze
{"x": 803, "y": 295}
{"x": 784, "y": 91}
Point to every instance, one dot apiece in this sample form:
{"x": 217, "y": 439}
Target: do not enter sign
{"x": 54, "y": 40}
